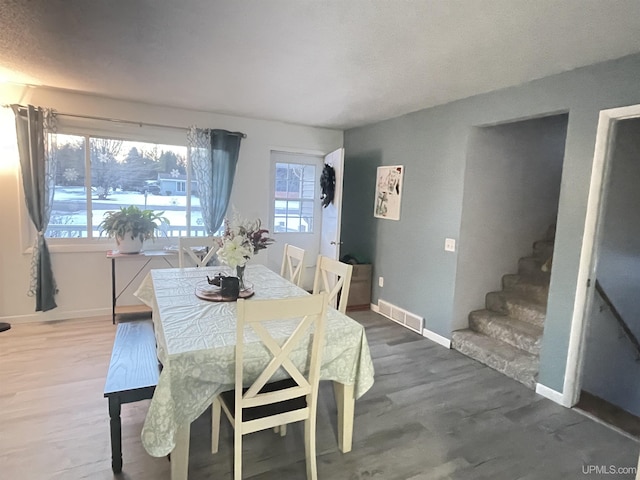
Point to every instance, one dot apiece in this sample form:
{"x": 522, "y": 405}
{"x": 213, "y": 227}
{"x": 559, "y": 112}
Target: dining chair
{"x": 293, "y": 264}
{"x": 186, "y": 248}
{"x": 265, "y": 403}
{"x": 333, "y": 277}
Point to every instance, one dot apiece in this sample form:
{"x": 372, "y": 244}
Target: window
{"x": 294, "y": 194}
{"x": 97, "y": 174}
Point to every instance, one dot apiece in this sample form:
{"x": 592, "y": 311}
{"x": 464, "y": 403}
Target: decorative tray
{"x": 212, "y": 293}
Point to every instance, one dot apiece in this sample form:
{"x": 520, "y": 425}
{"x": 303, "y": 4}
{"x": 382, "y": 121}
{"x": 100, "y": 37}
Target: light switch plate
{"x": 449, "y": 245}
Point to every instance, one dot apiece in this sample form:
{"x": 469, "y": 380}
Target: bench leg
{"x": 116, "y": 434}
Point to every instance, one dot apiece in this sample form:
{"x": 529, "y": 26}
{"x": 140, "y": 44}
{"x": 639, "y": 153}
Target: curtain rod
{"x": 130, "y": 122}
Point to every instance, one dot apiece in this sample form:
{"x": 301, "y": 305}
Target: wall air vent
{"x": 401, "y": 316}
{"x": 384, "y": 308}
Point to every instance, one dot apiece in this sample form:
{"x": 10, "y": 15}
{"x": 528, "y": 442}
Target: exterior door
{"x": 332, "y": 213}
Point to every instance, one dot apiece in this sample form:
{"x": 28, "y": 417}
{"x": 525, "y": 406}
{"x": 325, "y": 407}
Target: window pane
{"x": 306, "y": 216}
{"x": 69, "y": 209}
{"x": 309, "y": 182}
{"x": 294, "y": 197}
{"x": 147, "y": 175}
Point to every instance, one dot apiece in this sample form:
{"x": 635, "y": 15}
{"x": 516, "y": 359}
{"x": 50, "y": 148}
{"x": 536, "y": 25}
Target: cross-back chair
{"x": 293, "y": 264}
{"x": 333, "y": 277}
{"x": 208, "y": 245}
{"x": 264, "y": 405}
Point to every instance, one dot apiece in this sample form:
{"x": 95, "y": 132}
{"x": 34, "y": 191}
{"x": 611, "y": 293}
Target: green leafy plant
{"x": 132, "y": 221}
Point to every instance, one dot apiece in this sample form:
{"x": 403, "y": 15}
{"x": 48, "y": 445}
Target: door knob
{"x": 334, "y": 243}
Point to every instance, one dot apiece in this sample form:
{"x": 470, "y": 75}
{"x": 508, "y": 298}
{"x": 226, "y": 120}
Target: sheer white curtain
{"x": 213, "y": 155}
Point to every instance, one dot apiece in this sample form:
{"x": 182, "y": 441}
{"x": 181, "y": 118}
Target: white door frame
{"x": 590, "y": 241}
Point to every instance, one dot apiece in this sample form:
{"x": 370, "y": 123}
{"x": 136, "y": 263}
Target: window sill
{"x": 94, "y": 247}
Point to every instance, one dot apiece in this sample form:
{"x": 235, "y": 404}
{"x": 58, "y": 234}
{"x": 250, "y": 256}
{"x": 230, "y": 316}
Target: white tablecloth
{"x": 196, "y": 340}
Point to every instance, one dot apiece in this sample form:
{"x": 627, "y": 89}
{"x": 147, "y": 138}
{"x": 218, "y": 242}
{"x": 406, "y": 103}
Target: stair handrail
{"x": 616, "y": 314}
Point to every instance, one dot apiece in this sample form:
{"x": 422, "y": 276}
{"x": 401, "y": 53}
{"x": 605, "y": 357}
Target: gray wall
{"x": 358, "y": 232}
{"x": 511, "y": 190}
{"x": 610, "y": 370}
{"x": 619, "y": 250}
{"x": 432, "y": 144}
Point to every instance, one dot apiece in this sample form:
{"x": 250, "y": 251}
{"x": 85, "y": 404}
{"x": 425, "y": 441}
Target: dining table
{"x": 195, "y": 342}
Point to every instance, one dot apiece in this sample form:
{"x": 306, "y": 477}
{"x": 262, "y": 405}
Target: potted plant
{"x": 131, "y": 226}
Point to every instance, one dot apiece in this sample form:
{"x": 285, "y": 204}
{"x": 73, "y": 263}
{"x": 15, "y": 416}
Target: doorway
{"x": 511, "y": 189}
{"x": 610, "y": 247}
{"x": 296, "y": 216}
{"x": 610, "y": 372}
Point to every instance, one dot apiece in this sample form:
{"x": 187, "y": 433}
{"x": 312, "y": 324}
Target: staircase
{"x": 506, "y": 334}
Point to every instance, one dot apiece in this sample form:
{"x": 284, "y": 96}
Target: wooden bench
{"x": 133, "y": 376}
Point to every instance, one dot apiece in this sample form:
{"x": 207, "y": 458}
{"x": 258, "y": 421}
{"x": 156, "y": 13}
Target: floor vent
{"x": 401, "y": 316}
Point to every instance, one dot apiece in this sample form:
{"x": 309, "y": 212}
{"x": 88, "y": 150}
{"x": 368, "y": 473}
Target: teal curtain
{"x": 37, "y": 165}
{"x": 213, "y": 155}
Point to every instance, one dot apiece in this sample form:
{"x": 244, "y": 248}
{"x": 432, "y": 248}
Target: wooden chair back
{"x": 265, "y": 404}
{"x": 311, "y": 310}
{"x": 187, "y": 257}
{"x": 333, "y": 277}
{"x": 293, "y": 264}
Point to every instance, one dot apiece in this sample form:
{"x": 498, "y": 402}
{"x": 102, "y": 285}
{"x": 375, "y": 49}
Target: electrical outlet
{"x": 449, "y": 245}
{"x": 381, "y": 281}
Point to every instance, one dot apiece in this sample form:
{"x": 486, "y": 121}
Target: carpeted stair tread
{"x": 523, "y": 335}
{"x": 532, "y": 267}
{"x": 517, "y": 305}
{"x": 537, "y": 288}
{"x": 500, "y": 356}
{"x": 543, "y": 249}
{"x": 506, "y": 335}
{"x": 511, "y": 279}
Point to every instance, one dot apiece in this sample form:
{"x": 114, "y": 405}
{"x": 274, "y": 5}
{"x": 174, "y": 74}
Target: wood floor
{"x": 609, "y": 413}
{"x": 432, "y": 414}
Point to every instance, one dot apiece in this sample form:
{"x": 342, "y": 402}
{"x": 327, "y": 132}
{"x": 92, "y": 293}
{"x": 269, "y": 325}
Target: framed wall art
{"x": 388, "y": 192}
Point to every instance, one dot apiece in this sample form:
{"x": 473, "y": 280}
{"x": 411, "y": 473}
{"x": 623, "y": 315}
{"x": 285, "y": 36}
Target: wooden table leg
{"x": 115, "y": 427}
{"x": 345, "y": 400}
{"x": 180, "y": 454}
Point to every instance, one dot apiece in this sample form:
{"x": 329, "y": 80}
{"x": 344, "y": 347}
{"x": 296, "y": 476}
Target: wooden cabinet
{"x": 360, "y": 292}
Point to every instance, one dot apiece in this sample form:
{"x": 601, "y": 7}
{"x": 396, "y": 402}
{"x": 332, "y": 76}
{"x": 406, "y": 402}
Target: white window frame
{"x": 89, "y": 127}
{"x": 296, "y": 158}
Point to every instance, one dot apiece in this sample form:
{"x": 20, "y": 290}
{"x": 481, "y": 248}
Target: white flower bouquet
{"x": 241, "y": 240}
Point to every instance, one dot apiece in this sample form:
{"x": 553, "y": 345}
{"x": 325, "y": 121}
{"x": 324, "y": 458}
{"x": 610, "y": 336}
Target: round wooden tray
{"x": 212, "y": 293}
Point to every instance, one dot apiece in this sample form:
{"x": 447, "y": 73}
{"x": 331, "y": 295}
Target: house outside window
{"x": 98, "y": 174}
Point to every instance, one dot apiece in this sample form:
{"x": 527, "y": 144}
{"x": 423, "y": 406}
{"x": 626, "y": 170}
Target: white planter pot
{"x": 128, "y": 244}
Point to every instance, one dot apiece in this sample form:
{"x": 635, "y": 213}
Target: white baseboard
{"x": 552, "y": 395}
{"x": 54, "y": 315}
{"x": 434, "y": 337}
{"x": 374, "y": 308}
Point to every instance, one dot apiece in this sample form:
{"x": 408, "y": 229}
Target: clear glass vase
{"x": 240, "y": 275}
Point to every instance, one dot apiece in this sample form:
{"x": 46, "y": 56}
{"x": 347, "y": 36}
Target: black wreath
{"x": 327, "y": 184}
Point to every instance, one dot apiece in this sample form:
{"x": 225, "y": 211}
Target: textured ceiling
{"x": 331, "y": 63}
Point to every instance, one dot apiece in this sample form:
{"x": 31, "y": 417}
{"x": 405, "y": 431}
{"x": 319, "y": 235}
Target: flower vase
{"x": 240, "y": 275}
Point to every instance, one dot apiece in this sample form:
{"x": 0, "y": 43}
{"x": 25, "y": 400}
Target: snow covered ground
{"x": 69, "y": 212}
{"x": 70, "y": 207}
